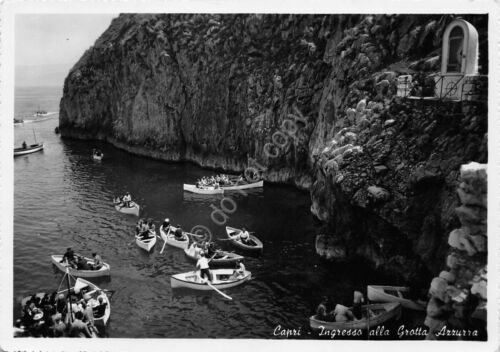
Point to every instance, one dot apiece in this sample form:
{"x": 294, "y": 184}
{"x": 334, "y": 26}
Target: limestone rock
{"x": 378, "y": 194}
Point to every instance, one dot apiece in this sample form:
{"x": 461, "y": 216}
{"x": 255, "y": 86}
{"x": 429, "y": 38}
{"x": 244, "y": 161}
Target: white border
{"x": 10, "y": 8}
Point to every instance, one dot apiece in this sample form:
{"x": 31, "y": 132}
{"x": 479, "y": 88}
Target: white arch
{"x": 470, "y": 51}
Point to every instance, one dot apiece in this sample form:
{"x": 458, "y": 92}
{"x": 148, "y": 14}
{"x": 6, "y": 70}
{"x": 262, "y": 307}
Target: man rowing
{"x": 166, "y": 225}
{"x": 97, "y": 261}
{"x": 202, "y": 265}
{"x": 178, "y": 233}
{"x": 69, "y": 258}
{"x": 127, "y": 198}
{"x": 243, "y": 236}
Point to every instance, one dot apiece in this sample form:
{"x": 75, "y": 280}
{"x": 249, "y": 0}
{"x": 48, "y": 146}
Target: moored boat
{"x": 378, "y": 293}
{"x": 171, "y": 240}
{"x": 132, "y": 209}
{"x": 28, "y": 150}
{"x": 103, "y": 271}
{"x": 221, "y": 257}
{"x": 373, "y": 315}
{"x": 203, "y": 189}
{"x": 242, "y": 185}
{"x": 253, "y": 243}
{"x": 221, "y": 279}
{"x": 146, "y": 244}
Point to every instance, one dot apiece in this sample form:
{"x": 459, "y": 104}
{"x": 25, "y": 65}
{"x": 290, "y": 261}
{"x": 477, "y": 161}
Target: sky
{"x": 48, "y": 45}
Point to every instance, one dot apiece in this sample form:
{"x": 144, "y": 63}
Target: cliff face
{"x": 214, "y": 89}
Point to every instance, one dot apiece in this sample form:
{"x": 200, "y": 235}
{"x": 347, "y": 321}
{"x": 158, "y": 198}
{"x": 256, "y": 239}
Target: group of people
{"x": 340, "y": 313}
{"x": 203, "y": 265}
{"x": 79, "y": 262}
{"x": 177, "y": 230}
{"x": 125, "y": 200}
{"x": 145, "y": 229}
{"x": 216, "y": 181}
{"x": 55, "y": 315}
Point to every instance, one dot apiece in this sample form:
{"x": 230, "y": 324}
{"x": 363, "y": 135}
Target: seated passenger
{"x": 342, "y": 313}
{"x": 100, "y": 309}
{"x": 321, "y": 311}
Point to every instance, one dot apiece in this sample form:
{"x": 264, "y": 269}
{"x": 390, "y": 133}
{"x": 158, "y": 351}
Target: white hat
{"x": 167, "y": 220}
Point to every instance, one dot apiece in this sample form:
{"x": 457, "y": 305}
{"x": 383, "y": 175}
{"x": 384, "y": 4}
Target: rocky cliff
{"x": 305, "y": 99}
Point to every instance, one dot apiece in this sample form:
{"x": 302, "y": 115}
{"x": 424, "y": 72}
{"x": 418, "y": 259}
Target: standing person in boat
{"x": 78, "y": 328}
{"x": 97, "y": 261}
{"x": 358, "y": 301}
{"x": 69, "y": 258}
{"x": 203, "y": 266}
{"x": 25, "y": 146}
{"x": 127, "y": 198}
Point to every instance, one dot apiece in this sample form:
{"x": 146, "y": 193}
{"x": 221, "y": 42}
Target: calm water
{"x": 63, "y": 199}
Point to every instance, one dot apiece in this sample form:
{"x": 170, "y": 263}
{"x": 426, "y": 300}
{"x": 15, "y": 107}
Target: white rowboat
{"x": 31, "y": 149}
{"x": 393, "y": 294}
{"x": 203, "y": 190}
{"x": 221, "y": 279}
{"x": 84, "y": 284}
{"x": 170, "y": 239}
{"x": 254, "y": 244}
{"x": 103, "y": 271}
{"x": 373, "y": 315}
{"x": 243, "y": 185}
{"x": 133, "y": 209}
{"x": 146, "y": 244}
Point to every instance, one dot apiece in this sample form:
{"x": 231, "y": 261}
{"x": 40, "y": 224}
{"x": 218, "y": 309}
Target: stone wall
{"x": 457, "y": 307}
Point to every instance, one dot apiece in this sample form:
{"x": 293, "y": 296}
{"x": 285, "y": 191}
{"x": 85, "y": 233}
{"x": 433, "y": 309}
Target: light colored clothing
{"x": 79, "y": 329}
{"x": 358, "y": 298}
{"x": 244, "y": 235}
{"x": 202, "y": 263}
{"x": 341, "y": 313}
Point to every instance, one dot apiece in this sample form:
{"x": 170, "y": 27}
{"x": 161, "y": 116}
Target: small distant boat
{"x": 242, "y": 185}
{"x": 393, "y": 294}
{"x": 28, "y": 150}
{"x": 171, "y": 240}
{"x": 146, "y": 244}
{"x": 132, "y": 209}
{"x": 103, "y": 271}
{"x": 97, "y": 157}
{"x": 221, "y": 279}
{"x": 40, "y": 113}
{"x": 203, "y": 189}
{"x": 18, "y": 122}
{"x": 254, "y": 244}
{"x": 221, "y": 257}
{"x": 373, "y": 315}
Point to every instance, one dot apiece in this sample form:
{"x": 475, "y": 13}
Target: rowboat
{"x": 203, "y": 189}
{"x": 171, "y": 240}
{"x": 31, "y": 149}
{"x": 87, "y": 287}
{"x": 221, "y": 279}
{"x": 373, "y": 315}
{"x": 133, "y": 209}
{"x": 393, "y": 294}
{"x": 253, "y": 244}
{"x": 221, "y": 257}
{"x": 146, "y": 244}
{"x": 242, "y": 185}
{"x": 103, "y": 271}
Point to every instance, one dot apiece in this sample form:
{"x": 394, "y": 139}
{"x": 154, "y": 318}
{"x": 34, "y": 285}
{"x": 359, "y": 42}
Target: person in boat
{"x": 61, "y": 304}
{"x": 210, "y": 249}
{"x": 203, "y": 266}
{"x": 88, "y": 313}
{"x": 59, "y": 328}
{"x": 357, "y": 303}
{"x": 127, "y": 198}
{"x": 78, "y": 328}
{"x": 166, "y": 225}
{"x": 97, "y": 261}
{"x": 240, "y": 270}
{"x": 138, "y": 226}
{"x": 69, "y": 258}
{"x": 82, "y": 264}
{"x": 178, "y": 233}
{"x": 25, "y": 146}
{"x": 321, "y": 311}
{"x": 100, "y": 309}
{"x": 244, "y": 236}
{"x": 343, "y": 313}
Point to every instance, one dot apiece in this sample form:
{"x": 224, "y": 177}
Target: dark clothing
{"x": 205, "y": 273}
{"x": 100, "y": 310}
{"x": 24, "y": 145}
{"x": 356, "y": 310}
{"x": 83, "y": 265}
{"x": 178, "y": 233}
{"x": 69, "y": 256}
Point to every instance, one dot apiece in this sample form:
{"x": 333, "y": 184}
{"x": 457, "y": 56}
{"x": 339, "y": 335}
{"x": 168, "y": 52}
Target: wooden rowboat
{"x": 103, "y": 271}
{"x": 133, "y": 209}
{"x": 254, "y": 244}
{"x": 171, "y": 240}
{"x": 381, "y": 313}
{"x": 146, "y": 244}
{"x": 221, "y": 279}
{"x": 221, "y": 257}
{"x": 203, "y": 190}
{"x": 31, "y": 149}
{"x": 242, "y": 185}
{"x": 393, "y": 294}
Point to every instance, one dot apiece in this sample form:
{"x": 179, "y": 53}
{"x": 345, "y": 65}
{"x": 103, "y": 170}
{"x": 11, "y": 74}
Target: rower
{"x": 25, "y": 146}
{"x": 151, "y": 226}
{"x": 97, "y": 261}
{"x": 166, "y": 225}
{"x": 69, "y": 257}
{"x": 203, "y": 266}
{"x": 138, "y": 226}
{"x": 127, "y": 198}
{"x": 321, "y": 313}
{"x": 240, "y": 270}
{"x": 244, "y": 235}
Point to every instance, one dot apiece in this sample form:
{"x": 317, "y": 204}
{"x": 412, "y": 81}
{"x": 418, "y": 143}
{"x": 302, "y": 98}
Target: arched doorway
{"x": 455, "y": 54}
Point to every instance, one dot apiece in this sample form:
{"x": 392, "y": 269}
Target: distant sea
{"x": 28, "y": 100}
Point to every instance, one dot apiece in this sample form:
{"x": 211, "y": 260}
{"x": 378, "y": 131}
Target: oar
{"x": 132, "y": 241}
{"x": 165, "y": 242}
{"x": 218, "y": 291}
